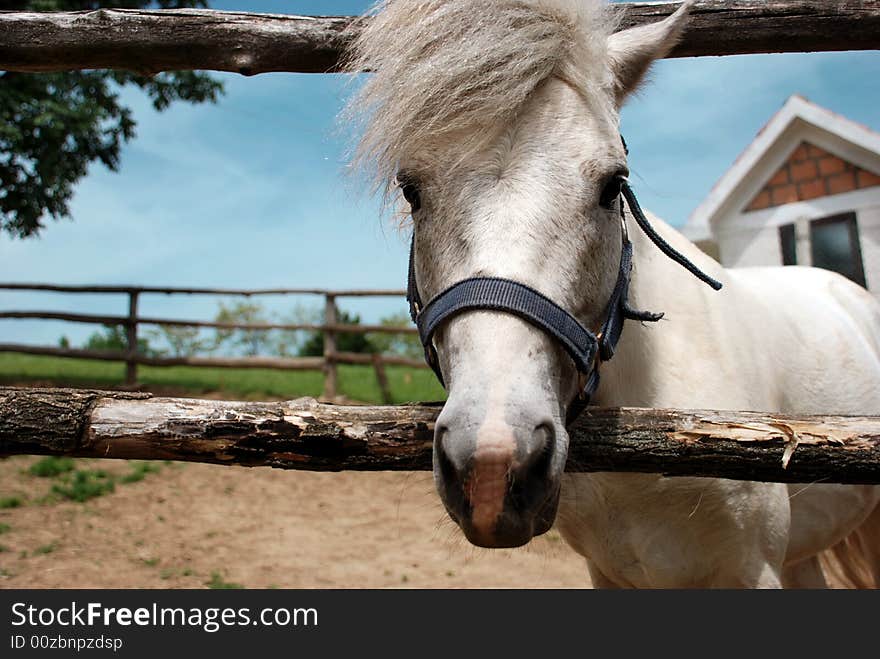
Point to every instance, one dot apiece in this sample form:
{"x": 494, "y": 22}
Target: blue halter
{"x": 587, "y": 350}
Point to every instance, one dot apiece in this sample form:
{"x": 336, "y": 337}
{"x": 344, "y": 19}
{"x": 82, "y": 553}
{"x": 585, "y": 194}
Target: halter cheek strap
{"x": 586, "y": 349}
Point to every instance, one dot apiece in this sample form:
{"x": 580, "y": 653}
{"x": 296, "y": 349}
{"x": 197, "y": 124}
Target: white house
{"x": 806, "y": 191}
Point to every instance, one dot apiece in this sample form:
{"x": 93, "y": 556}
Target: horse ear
{"x": 632, "y": 51}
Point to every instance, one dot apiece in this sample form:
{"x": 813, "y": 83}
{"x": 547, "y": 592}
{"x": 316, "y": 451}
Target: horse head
{"x": 499, "y": 123}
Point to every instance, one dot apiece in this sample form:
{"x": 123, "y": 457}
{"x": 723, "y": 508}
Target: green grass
{"x": 50, "y": 467}
{"x": 139, "y": 470}
{"x": 4, "y": 528}
{"x": 73, "y": 483}
{"x": 355, "y": 382}
{"x": 46, "y": 549}
{"x": 11, "y": 502}
{"x": 85, "y": 484}
{"x": 217, "y": 583}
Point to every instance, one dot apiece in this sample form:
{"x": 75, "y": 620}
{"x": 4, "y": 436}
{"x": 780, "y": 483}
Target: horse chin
{"x": 547, "y": 515}
{"x": 514, "y": 530}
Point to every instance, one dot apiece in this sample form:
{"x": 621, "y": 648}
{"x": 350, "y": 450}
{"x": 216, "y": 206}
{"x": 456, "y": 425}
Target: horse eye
{"x": 410, "y": 191}
{"x": 611, "y": 192}
{"x": 411, "y": 194}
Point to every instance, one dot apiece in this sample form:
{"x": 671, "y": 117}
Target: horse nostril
{"x": 544, "y": 433}
{"x": 448, "y": 470}
{"x": 543, "y": 449}
{"x": 535, "y": 469}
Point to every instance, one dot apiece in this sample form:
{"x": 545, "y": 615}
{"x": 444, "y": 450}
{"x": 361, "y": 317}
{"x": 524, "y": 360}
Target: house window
{"x": 834, "y": 244}
{"x": 787, "y": 244}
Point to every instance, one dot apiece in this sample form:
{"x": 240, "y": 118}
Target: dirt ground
{"x": 191, "y": 525}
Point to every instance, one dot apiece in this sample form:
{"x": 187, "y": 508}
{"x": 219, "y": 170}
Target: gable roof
{"x": 809, "y": 173}
{"x": 795, "y": 122}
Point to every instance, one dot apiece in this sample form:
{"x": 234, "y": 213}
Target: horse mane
{"x": 444, "y": 66}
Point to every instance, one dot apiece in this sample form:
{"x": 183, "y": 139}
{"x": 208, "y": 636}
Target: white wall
{"x": 752, "y": 239}
{"x": 750, "y": 247}
{"x": 869, "y": 235}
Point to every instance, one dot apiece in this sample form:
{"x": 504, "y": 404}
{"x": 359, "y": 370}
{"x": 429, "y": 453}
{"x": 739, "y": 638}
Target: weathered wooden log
{"x": 305, "y": 434}
{"x": 149, "y": 41}
{"x": 745, "y": 27}
{"x": 299, "y": 434}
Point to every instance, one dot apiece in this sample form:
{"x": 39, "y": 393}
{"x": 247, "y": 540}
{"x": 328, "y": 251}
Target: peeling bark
{"x": 305, "y": 434}
{"x": 150, "y": 41}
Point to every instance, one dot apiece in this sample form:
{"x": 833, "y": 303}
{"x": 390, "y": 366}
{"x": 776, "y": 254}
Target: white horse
{"x": 500, "y": 117}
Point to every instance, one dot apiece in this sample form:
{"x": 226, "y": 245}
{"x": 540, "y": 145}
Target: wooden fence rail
{"x": 305, "y": 434}
{"x": 141, "y": 320}
{"x": 150, "y": 41}
{"x": 330, "y": 329}
{"x": 243, "y": 292}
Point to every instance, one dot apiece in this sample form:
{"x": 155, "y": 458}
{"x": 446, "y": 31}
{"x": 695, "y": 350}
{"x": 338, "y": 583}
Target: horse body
{"x": 500, "y": 120}
{"x": 789, "y": 340}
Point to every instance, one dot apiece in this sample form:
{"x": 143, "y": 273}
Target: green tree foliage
{"x": 345, "y": 342}
{"x": 403, "y": 345}
{"x": 113, "y": 338}
{"x": 53, "y": 125}
{"x": 248, "y": 342}
{"x": 182, "y": 341}
{"x": 288, "y": 343}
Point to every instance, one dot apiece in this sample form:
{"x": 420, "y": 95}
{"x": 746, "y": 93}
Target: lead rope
{"x": 620, "y": 308}
{"x": 658, "y": 240}
{"x": 655, "y": 237}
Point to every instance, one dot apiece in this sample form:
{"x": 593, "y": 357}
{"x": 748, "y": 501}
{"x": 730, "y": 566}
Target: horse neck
{"x": 647, "y": 352}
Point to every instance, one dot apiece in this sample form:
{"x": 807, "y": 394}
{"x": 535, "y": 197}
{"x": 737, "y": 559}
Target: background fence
{"x": 329, "y": 329}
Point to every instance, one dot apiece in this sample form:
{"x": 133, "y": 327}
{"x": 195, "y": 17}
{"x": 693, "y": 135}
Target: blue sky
{"x": 250, "y": 192}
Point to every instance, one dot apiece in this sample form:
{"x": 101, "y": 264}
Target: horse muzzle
{"x": 499, "y": 483}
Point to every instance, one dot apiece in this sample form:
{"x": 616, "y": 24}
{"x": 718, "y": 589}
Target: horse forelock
{"x": 463, "y": 67}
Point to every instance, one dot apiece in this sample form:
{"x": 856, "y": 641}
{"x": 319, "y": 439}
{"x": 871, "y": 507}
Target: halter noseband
{"x": 587, "y": 350}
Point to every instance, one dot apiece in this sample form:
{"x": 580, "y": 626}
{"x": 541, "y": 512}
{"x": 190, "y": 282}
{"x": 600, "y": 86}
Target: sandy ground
{"x": 261, "y": 528}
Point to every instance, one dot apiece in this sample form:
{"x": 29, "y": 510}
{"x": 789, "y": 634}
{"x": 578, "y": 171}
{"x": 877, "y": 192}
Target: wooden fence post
{"x": 329, "y": 348}
{"x": 132, "y": 340}
{"x": 382, "y": 378}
